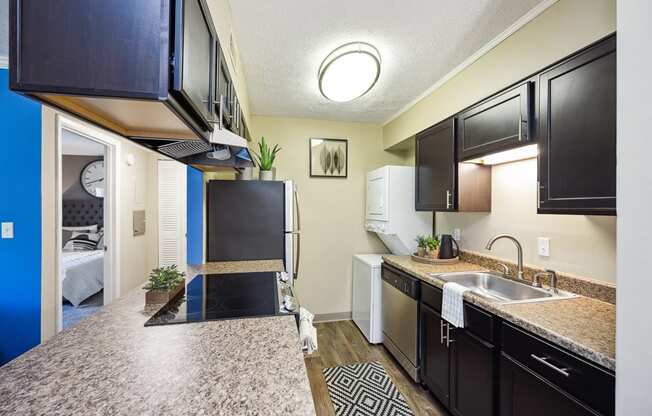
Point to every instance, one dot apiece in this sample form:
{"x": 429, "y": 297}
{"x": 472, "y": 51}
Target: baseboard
{"x": 331, "y": 317}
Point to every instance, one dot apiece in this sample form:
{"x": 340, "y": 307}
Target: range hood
{"x": 227, "y": 153}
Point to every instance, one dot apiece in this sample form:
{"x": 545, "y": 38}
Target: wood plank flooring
{"x": 342, "y": 343}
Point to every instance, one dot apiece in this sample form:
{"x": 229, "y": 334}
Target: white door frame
{"x": 112, "y": 157}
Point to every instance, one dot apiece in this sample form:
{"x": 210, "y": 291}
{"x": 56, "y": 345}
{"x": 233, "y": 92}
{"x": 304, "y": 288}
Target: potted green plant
{"x": 422, "y": 245}
{"x": 265, "y": 158}
{"x": 433, "y": 247}
{"x": 165, "y": 283}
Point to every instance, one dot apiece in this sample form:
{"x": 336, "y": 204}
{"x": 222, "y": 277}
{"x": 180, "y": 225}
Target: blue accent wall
{"x": 195, "y": 212}
{"x": 20, "y": 203}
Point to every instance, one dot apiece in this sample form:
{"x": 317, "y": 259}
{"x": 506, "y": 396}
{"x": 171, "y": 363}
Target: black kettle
{"x": 446, "y": 243}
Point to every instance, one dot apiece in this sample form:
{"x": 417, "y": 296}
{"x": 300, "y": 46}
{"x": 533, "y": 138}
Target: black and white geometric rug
{"x": 364, "y": 390}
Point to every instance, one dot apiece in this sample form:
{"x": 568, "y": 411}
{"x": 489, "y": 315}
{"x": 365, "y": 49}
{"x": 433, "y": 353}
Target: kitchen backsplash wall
{"x": 581, "y": 245}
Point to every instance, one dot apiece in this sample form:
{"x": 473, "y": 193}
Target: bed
{"x": 82, "y": 267}
{"x": 82, "y": 274}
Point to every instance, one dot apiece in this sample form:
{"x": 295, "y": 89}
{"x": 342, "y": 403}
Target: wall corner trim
{"x": 4, "y": 62}
{"x": 522, "y": 21}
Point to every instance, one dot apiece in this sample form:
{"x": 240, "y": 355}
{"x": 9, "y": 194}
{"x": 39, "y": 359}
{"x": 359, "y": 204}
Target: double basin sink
{"x": 496, "y": 288}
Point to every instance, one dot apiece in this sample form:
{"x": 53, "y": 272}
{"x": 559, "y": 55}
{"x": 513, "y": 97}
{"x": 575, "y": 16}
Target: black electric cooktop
{"x": 225, "y": 296}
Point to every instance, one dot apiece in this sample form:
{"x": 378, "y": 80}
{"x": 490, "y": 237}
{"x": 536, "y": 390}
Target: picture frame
{"x": 329, "y": 158}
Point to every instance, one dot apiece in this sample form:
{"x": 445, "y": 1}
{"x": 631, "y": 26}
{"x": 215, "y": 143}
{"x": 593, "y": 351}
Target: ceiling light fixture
{"x": 349, "y": 72}
{"x": 512, "y": 155}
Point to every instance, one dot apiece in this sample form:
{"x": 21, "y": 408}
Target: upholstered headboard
{"x": 80, "y": 212}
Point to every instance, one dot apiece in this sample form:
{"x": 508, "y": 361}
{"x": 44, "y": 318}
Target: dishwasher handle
{"x": 408, "y": 285}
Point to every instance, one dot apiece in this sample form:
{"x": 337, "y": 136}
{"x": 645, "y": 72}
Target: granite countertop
{"x": 583, "y": 325}
{"x": 236, "y": 267}
{"x": 111, "y": 364}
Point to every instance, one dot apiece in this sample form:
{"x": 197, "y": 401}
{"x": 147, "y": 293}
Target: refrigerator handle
{"x": 298, "y": 234}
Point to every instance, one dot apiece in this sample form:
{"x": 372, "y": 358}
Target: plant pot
{"x": 433, "y": 254}
{"x": 157, "y": 297}
{"x": 421, "y": 251}
{"x": 245, "y": 174}
{"x": 267, "y": 175}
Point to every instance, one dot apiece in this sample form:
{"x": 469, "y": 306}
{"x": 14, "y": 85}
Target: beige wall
{"x": 137, "y": 191}
{"x": 563, "y": 28}
{"x": 579, "y": 244}
{"x": 332, "y": 210}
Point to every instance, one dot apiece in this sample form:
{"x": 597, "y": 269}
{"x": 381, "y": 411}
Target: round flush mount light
{"x": 349, "y": 72}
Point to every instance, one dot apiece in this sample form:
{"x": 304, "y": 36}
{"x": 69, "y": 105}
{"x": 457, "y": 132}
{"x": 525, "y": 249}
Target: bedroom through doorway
{"x": 87, "y": 235}
{"x": 82, "y": 218}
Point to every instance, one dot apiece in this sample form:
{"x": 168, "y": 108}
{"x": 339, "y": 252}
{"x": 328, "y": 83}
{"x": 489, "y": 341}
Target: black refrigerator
{"x": 253, "y": 220}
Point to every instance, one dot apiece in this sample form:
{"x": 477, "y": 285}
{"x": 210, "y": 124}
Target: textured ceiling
{"x": 283, "y": 42}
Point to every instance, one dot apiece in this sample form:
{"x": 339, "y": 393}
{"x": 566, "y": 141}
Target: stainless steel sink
{"x": 497, "y": 288}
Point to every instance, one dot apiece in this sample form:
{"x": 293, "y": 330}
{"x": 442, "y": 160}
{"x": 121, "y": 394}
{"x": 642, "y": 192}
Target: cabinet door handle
{"x": 449, "y": 202}
{"x": 538, "y": 194}
{"x": 442, "y": 337}
{"x": 448, "y": 335}
{"x": 544, "y": 361}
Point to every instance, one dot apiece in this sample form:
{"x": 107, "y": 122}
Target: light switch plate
{"x": 457, "y": 234}
{"x": 543, "y": 244}
{"x": 7, "y": 230}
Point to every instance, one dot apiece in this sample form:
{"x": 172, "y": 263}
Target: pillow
{"x": 94, "y": 237}
{"x": 80, "y": 244}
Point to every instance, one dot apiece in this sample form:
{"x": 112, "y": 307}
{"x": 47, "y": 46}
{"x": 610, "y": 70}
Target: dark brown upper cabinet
{"x": 436, "y": 168}
{"x": 441, "y": 183}
{"x": 192, "y": 59}
{"x": 144, "y": 69}
{"x": 498, "y": 123}
{"x": 577, "y": 158}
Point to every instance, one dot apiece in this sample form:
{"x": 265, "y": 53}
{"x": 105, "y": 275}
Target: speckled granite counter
{"x": 237, "y": 266}
{"x": 583, "y": 325}
{"x": 110, "y": 364}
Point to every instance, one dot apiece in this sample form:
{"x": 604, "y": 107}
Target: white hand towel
{"x": 307, "y": 332}
{"x": 452, "y": 305}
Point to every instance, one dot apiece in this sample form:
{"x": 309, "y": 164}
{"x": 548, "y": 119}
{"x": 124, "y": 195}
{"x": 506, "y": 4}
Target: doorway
{"x": 86, "y": 220}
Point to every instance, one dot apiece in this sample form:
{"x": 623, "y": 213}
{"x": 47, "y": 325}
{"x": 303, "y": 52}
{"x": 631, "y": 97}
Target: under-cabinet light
{"x": 512, "y": 155}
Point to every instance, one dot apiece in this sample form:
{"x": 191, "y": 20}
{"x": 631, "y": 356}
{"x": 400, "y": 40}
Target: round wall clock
{"x": 92, "y": 178}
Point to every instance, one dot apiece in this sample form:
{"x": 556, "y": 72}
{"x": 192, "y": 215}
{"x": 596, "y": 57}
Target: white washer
{"x": 366, "y": 299}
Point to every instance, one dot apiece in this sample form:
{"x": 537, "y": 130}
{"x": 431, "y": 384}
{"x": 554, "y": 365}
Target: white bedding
{"x": 82, "y": 274}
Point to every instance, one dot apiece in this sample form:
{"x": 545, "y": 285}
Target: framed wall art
{"x": 329, "y": 158}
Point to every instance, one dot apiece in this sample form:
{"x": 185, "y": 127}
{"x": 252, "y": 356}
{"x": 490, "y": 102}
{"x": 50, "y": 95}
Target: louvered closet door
{"x": 172, "y": 213}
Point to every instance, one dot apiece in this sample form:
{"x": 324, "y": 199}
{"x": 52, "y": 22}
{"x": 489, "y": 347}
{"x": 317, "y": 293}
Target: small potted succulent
{"x": 265, "y": 158}
{"x": 165, "y": 283}
{"x": 433, "y": 247}
{"x": 422, "y": 245}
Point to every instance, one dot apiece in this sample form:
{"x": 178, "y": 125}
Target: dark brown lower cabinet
{"x": 523, "y": 393}
{"x": 458, "y": 372}
{"x": 435, "y": 363}
{"x": 472, "y": 373}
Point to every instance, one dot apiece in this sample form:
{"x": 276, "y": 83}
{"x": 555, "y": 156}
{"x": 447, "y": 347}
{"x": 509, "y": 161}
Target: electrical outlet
{"x": 7, "y": 230}
{"x": 457, "y": 234}
{"x": 543, "y": 244}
